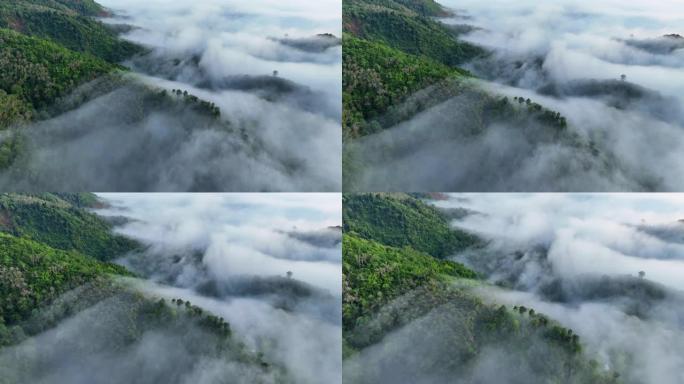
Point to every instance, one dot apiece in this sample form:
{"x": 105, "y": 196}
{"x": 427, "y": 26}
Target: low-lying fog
{"x": 273, "y": 69}
{"x": 614, "y": 69}
{"x": 270, "y": 264}
{"x": 610, "y": 267}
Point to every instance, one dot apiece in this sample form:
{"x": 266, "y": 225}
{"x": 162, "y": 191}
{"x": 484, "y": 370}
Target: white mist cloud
{"x": 246, "y": 244}
{"x": 240, "y": 234}
{"x": 232, "y": 37}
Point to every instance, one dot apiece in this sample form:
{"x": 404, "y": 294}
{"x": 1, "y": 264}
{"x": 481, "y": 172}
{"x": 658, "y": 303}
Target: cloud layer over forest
{"x": 272, "y": 70}
{"x": 568, "y": 56}
{"x": 269, "y": 264}
{"x": 578, "y": 259}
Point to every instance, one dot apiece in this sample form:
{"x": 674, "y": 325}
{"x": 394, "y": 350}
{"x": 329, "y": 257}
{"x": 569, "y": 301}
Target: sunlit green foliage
{"x": 32, "y": 274}
{"x": 374, "y": 273}
{"x": 392, "y": 49}
{"x": 13, "y": 109}
{"x": 80, "y": 200}
{"x": 424, "y": 7}
{"x": 82, "y": 7}
{"x": 376, "y": 77}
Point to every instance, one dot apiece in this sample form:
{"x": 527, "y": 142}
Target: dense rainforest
{"x": 412, "y": 315}
{"x": 56, "y": 270}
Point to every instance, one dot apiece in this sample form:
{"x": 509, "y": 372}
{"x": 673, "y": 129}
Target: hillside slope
{"x": 69, "y": 24}
{"x": 47, "y": 49}
{"x": 57, "y": 293}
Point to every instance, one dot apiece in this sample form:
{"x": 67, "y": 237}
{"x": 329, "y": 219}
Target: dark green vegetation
{"x": 409, "y": 315}
{"x": 408, "y": 27}
{"x": 393, "y": 49}
{"x": 69, "y": 24}
{"x": 201, "y": 106}
{"x": 61, "y": 224}
{"x": 47, "y": 49}
{"x": 403, "y": 221}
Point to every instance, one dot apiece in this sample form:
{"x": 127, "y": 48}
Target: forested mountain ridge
{"x": 377, "y": 76}
{"x": 412, "y": 317}
{"x": 70, "y": 24}
{"x": 402, "y": 221}
{"x": 50, "y": 49}
{"x": 38, "y": 71}
{"x": 33, "y": 274}
{"x": 409, "y": 27}
{"x": 55, "y": 273}
{"x": 400, "y": 48}
{"x": 57, "y": 221}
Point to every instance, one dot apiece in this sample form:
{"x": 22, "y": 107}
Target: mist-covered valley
{"x": 610, "y": 72}
{"x": 513, "y": 288}
{"x": 213, "y": 289}
{"x": 222, "y": 95}
{"x": 609, "y": 267}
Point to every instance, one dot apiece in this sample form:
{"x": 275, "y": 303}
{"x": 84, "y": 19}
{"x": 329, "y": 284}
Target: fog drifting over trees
{"x": 607, "y": 266}
{"x": 612, "y": 69}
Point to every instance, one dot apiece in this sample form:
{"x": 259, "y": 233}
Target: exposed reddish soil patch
{"x": 352, "y": 25}
{"x": 17, "y": 25}
{"x": 5, "y": 220}
{"x": 438, "y": 196}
